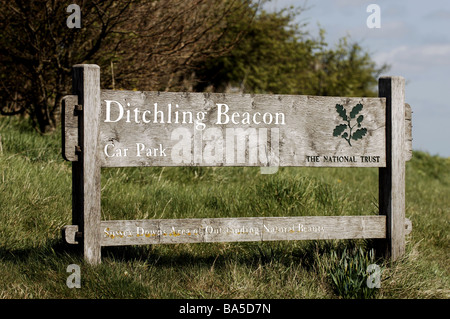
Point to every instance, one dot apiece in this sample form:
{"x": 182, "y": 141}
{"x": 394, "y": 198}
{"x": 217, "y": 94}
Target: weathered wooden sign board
{"x": 105, "y": 128}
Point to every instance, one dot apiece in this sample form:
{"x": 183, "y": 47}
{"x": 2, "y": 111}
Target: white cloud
{"x": 416, "y": 58}
{"x": 441, "y": 14}
{"x": 352, "y": 3}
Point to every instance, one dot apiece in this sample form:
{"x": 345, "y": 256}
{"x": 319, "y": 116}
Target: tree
{"x": 168, "y": 45}
{"x": 276, "y": 55}
{"x": 346, "y": 71}
{"x": 150, "y": 45}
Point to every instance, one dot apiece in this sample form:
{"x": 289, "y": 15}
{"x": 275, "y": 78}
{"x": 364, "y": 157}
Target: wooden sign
{"x": 204, "y": 129}
{"x": 105, "y": 128}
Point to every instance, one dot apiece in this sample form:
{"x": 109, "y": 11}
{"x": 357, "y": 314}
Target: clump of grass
{"x": 349, "y": 273}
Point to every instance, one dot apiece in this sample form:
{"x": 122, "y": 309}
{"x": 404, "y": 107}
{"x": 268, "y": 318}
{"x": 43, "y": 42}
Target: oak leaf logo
{"x": 350, "y": 131}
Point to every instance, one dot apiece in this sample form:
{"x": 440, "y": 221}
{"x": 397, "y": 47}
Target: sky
{"x": 413, "y": 38}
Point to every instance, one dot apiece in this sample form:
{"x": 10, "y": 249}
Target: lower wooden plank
{"x": 198, "y": 230}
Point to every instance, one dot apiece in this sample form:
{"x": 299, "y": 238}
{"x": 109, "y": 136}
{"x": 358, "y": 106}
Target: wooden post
{"x": 86, "y": 171}
{"x": 392, "y": 177}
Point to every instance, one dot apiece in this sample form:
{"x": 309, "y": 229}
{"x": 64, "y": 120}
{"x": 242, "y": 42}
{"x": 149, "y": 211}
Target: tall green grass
{"x": 35, "y": 203}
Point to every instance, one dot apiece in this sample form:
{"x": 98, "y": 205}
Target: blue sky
{"x": 414, "y": 39}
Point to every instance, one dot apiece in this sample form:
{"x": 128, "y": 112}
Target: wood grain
{"x": 69, "y": 234}
{"x": 69, "y": 126}
{"x": 408, "y": 132}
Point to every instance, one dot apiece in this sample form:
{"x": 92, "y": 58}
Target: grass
{"x": 35, "y": 203}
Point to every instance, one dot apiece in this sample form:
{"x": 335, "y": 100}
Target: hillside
{"x": 35, "y": 201}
